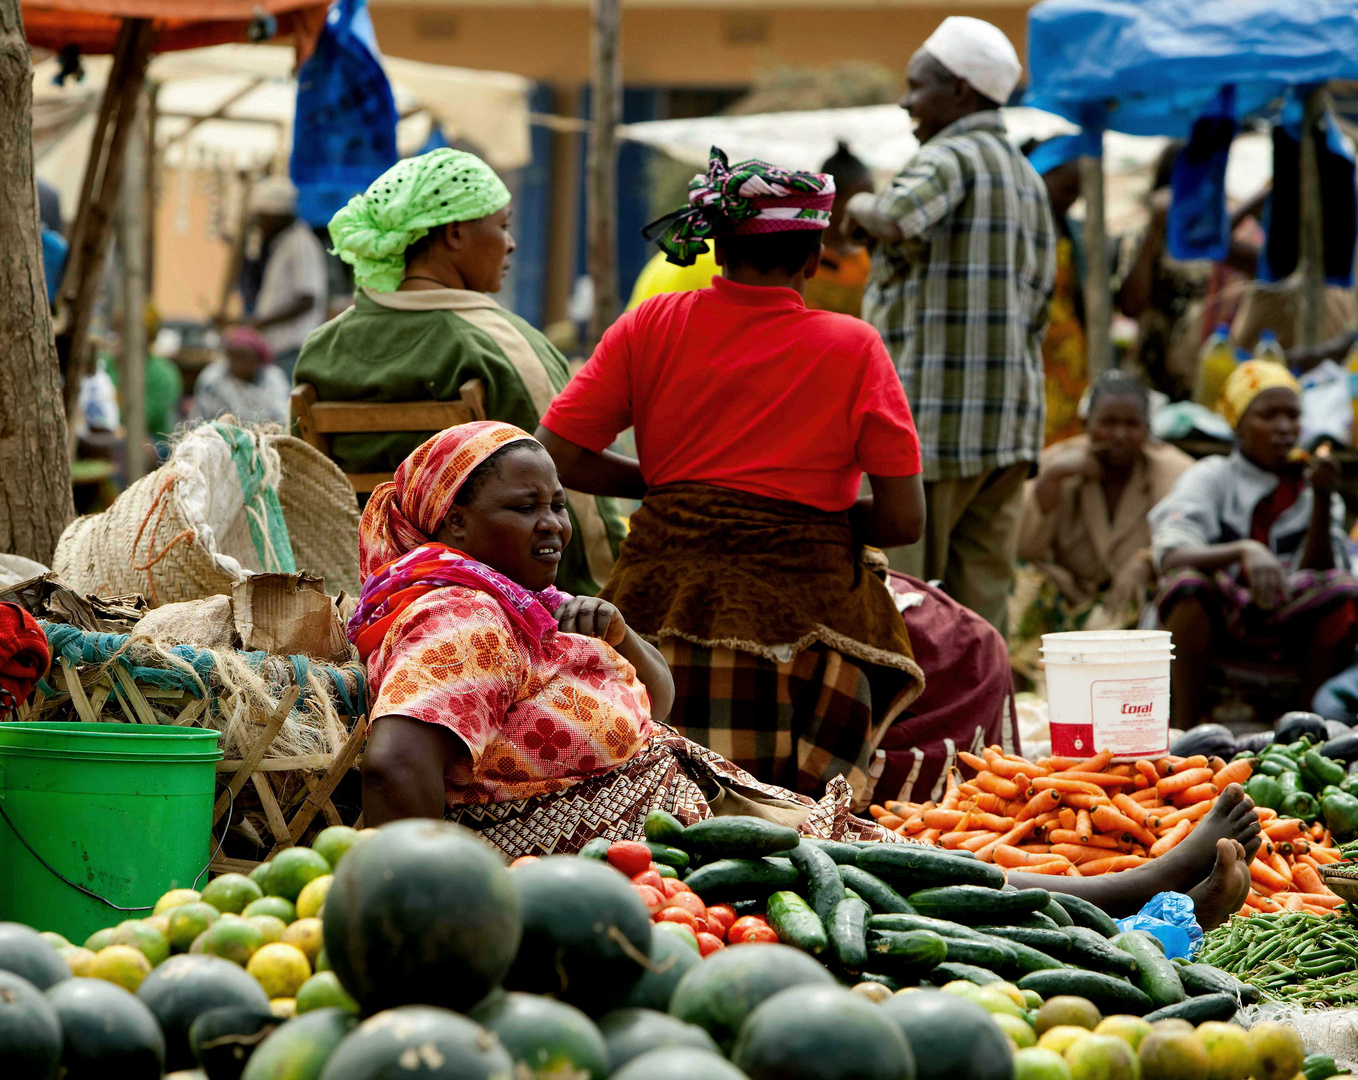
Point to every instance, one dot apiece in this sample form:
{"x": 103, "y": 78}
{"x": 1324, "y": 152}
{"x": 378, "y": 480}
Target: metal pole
{"x": 132, "y": 244}
{"x": 606, "y": 64}
{"x": 1098, "y": 303}
{"x": 1312, "y": 240}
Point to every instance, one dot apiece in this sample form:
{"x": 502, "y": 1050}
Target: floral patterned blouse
{"x": 535, "y": 718}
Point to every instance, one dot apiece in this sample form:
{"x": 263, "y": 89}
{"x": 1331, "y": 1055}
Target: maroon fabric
{"x": 24, "y": 655}
{"x": 968, "y": 700}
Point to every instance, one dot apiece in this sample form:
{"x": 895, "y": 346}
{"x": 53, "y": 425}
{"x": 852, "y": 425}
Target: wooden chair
{"x": 318, "y": 420}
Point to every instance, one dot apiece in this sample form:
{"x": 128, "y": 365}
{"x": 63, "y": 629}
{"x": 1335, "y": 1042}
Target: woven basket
{"x": 1342, "y": 880}
{"x": 322, "y": 514}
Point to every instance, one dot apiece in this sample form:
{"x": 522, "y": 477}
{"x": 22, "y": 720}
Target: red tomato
{"x": 691, "y": 903}
{"x": 630, "y": 856}
{"x": 719, "y": 918}
{"x": 652, "y": 898}
{"x": 709, "y": 943}
{"x": 679, "y": 915}
{"x": 673, "y": 886}
{"x": 523, "y": 860}
{"x": 651, "y": 878}
{"x": 749, "y": 928}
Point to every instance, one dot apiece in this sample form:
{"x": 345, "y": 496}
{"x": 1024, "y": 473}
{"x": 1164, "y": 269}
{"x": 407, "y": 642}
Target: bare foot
{"x": 1232, "y": 818}
{"x": 1220, "y": 895}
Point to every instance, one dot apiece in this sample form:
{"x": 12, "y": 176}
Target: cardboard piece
{"x": 290, "y": 615}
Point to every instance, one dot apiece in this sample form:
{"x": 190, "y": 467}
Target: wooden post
{"x": 132, "y": 247}
{"x": 606, "y": 65}
{"x": 99, "y": 200}
{"x": 565, "y": 202}
{"x": 1098, "y": 303}
{"x": 1311, "y": 251}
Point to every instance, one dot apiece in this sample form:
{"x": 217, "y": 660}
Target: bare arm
{"x": 404, "y": 764}
{"x": 862, "y": 210}
{"x": 1208, "y": 558}
{"x": 299, "y": 306}
{"x": 1318, "y": 552}
{"x": 592, "y": 617}
{"x": 593, "y": 473}
{"x": 893, "y": 515}
{"x": 652, "y": 671}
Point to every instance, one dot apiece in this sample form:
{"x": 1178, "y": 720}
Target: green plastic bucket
{"x": 122, "y": 810}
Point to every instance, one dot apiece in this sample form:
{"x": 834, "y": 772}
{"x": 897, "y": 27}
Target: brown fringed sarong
{"x": 673, "y": 774}
{"x": 789, "y": 656}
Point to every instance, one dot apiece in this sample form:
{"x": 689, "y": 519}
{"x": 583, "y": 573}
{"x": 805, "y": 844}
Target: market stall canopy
{"x": 1153, "y": 67}
{"x": 231, "y": 106}
{"x": 92, "y": 25}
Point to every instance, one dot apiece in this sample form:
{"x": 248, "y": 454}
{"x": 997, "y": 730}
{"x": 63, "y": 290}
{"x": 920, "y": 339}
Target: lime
{"x": 260, "y": 876}
{"x": 54, "y": 939}
{"x": 281, "y": 969}
{"x": 1036, "y": 1063}
{"x": 312, "y": 898}
{"x": 160, "y": 922}
{"x": 1031, "y": 999}
{"x": 323, "y": 990}
{"x": 1102, "y": 1057}
{"x": 322, "y": 961}
{"x": 148, "y": 939}
{"x": 1061, "y": 1038}
{"x": 188, "y": 921}
{"x": 173, "y": 899}
{"x": 122, "y": 965}
{"x": 1130, "y": 1029}
{"x": 874, "y": 991}
{"x": 77, "y": 958}
{"x": 292, "y": 869}
{"x": 100, "y": 939}
{"x": 1278, "y": 1051}
{"x": 231, "y": 892}
{"x": 1229, "y": 1053}
{"x": 1067, "y": 1011}
{"x": 997, "y": 1002}
{"x": 331, "y": 844}
{"x": 271, "y": 926}
{"x": 233, "y": 939}
{"x": 276, "y": 906}
{"x": 1013, "y": 993}
{"x": 283, "y": 1008}
{"x": 307, "y": 935}
{"x": 1018, "y": 1030}
{"x": 1173, "y": 1055}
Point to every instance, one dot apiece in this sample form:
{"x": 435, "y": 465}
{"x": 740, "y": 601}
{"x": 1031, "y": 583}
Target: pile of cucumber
{"x": 909, "y": 915}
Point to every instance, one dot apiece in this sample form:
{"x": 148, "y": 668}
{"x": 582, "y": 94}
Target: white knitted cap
{"x": 979, "y": 52}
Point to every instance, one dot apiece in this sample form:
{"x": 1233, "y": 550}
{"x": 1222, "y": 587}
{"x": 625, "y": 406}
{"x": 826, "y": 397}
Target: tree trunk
{"x": 35, "y": 474}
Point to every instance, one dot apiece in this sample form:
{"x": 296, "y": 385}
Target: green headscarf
{"x": 372, "y": 233}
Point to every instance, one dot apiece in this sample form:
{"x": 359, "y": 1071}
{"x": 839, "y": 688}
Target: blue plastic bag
{"x": 1169, "y": 916}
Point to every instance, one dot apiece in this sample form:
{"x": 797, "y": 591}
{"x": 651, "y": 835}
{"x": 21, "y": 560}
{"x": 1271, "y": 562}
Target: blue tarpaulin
{"x": 1152, "y": 67}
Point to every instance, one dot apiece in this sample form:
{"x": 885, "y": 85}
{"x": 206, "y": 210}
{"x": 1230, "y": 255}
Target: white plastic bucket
{"x": 1109, "y": 690}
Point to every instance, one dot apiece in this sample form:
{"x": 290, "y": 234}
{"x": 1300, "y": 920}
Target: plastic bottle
{"x": 1267, "y": 348}
{"x": 1216, "y": 361}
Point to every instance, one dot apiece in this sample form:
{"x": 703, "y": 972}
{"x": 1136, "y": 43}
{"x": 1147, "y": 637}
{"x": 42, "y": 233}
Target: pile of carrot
{"x": 1083, "y": 817}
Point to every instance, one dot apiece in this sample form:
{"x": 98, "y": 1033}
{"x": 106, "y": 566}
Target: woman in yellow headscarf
{"x": 1252, "y": 550}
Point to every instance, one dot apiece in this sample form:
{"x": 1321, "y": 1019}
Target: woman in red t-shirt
{"x": 756, "y": 420}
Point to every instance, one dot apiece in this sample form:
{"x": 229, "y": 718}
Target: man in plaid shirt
{"x": 963, "y": 266}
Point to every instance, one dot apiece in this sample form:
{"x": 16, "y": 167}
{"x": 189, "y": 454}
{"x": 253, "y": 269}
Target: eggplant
{"x": 1255, "y": 742}
{"x": 1293, "y": 725}
{"x": 1335, "y": 728}
{"x": 1344, "y": 748}
{"x": 1209, "y": 740}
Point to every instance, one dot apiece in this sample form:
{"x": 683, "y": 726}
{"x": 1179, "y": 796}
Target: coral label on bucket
{"x": 1131, "y": 716}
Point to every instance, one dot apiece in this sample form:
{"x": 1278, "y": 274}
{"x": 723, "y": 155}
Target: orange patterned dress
{"x": 536, "y": 717}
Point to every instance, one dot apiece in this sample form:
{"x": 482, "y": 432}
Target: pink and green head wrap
{"x": 745, "y": 199}
{"x": 373, "y": 231}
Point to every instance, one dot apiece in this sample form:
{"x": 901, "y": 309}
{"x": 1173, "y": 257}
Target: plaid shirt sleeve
{"x": 929, "y": 189}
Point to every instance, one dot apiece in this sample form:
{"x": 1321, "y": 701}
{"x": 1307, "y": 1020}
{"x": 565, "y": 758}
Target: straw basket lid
{"x": 1342, "y": 879}
{"x": 321, "y": 510}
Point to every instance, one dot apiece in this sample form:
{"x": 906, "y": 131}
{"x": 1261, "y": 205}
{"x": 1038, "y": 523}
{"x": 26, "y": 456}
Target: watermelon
{"x": 184, "y": 987}
{"x": 726, "y": 987}
{"x": 671, "y": 959}
{"x": 223, "y": 1039}
{"x": 821, "y": 1033}
{"x": 24, "y": 952}
{"x": 586, "y": 933}
{"x": 105, "y": 1031}
{"x": 417, "y": 1040}
{"x": 952, "y": 1038}
{"x": 548, "y": 1038}
{"x": 427, "y": 915}
{"x": 30, "y": 1034}
{"x": 629, "y": 1033}
{"x": 679, "y": 1063}
{"x": 300, "y": 1048}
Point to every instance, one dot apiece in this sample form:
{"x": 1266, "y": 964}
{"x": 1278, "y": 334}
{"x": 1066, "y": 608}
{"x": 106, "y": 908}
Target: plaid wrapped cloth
{"x": 1321, "y": 608}
{"x": 673, "y": 774}
{"x": 962, "y": 302}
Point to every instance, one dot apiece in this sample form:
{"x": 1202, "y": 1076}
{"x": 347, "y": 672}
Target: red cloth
{"x": 967, "y": 702}
{"x": 743, "y": 387}
{"x": 1270, "y": 509}
{"x": 24, "y": 655}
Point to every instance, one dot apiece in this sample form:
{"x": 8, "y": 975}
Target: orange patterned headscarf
{"x": 1247, "y": 382}
{"x": 409, "y": 510}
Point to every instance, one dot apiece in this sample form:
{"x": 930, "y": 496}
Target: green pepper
{"x": 1328, "y": 790}
{"x": 1341, "y": 815}
{"x": 1291, "y": 783}
{"x": 1319, "y": 1067}
{"x": 1280, "y": 757}
{"x": 1318, "y": 770}
{"x": 1243, "y": 755}
{"x": 1265, "y": 791}
{"x": 1349, "y": 785}
{"x": 1296, "y": 749}
{"x": 1300, "y": 804}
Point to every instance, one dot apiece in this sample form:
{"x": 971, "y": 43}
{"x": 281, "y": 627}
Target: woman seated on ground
{"x": 429, "y": 241}
{"x": 1253, "y": 552}
{"x": 1084, "y": 538}
{"x": 245, "y": 383}
{"x": 532, "y": 716}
